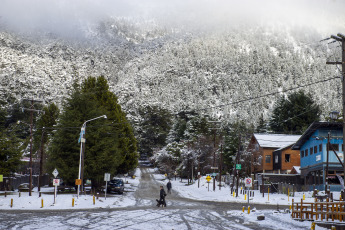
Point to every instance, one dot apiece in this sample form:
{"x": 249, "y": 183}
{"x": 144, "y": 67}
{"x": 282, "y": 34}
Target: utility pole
{"x": 328, "y": 145}
{"x": 220, "y": 166}
{"x": 214, "y": 160}
{"x": 41, "y": 161}
{"x": 214, "y": 154}
{"x": 341, "y": 38}
{"x": 31, "y": 110}
{"x": 237, "y": 156}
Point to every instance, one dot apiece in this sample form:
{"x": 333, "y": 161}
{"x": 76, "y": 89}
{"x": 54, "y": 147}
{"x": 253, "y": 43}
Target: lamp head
{"x": 334, "y": 115}
{"x": 105, "y": 116}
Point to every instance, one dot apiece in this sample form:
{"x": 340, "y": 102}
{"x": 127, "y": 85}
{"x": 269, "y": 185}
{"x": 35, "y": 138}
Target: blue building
{"x": 313, "y": 152}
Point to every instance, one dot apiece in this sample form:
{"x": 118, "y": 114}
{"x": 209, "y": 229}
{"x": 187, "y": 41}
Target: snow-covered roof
{"x": 275, "y": 140}
{"x": 297, "y": 169}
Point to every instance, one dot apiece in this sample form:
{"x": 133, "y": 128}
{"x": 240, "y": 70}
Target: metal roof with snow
{"x": 275, "y": 140}
{"x": 318, "y": 125}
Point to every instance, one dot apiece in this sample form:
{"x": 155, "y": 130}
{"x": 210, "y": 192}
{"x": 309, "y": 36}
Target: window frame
{"x": 267, "y": 157}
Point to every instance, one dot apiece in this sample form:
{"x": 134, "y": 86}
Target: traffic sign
{"x": 238, "y": 166}
{"x": 106, "y": 176}
{"x": 1, "y": 178}
{"x": 55, "y": 173}
{"x": 248, "y": 182}
{"x": 208, "y": 178}
{"x": 214, "y": 174}
{"x": 77, "y": 181}
{"x": 56, "y": 182}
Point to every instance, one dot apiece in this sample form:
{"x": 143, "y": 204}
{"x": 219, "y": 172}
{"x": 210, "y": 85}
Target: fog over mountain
{"x": 207, "y": 56}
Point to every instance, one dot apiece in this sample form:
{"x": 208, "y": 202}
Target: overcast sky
{"x": 66, "y": 15}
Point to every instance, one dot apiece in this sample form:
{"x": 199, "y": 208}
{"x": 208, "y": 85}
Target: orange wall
{"x": 295, "y": 159}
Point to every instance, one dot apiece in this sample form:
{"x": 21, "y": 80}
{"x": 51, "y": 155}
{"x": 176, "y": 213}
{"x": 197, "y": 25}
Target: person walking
{"x": 162, "y": 195}
{"x": 169, "y": 187}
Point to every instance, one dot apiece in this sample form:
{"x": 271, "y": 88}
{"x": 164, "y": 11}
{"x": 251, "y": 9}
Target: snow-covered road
{"x": 181, "y": 213}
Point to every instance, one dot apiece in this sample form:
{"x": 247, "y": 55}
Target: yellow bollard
{"x": 11, "y": 202}
{"x": 243, "y": 209}
{"x": 42, "y": 203}
{"x": 233, "y": 194}
{"x": 312, "y": 226}
{"x": 333, "y": 228}
{"x": 245, "y": 196}
{"x": 248, "y": 209}
{"x": 94, "y": 200}
{"x": 290, "y": 207}
{"x": 268, "y": 193}
{"x": 303, "y": 196}
{"x": 72, "y": 202}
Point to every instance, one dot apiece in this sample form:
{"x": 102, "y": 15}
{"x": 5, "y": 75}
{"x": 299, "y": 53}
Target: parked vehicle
{"x": 24, "y": 187}
{"x": 116, "y": 186}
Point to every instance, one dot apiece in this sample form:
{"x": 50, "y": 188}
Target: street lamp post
{"x": 82, "y": 140}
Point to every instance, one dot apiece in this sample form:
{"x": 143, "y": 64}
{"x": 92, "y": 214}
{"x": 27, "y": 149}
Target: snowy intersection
{"x": 188, "y": 208}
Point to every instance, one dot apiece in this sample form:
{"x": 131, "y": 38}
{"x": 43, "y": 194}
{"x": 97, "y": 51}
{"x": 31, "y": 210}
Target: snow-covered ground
{"x": 204, "y": 191}
{"x": 64, "y": 201}
{"x": 153, "y": 216}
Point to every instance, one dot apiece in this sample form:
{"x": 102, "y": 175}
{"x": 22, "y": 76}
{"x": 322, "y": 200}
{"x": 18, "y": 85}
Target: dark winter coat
{"x": 169, "y": 185}
{"x": 162, "y": 194}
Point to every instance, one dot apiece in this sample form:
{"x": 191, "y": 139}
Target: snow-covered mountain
{"x": 216, "y": 72}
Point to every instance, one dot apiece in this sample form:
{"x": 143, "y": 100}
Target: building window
{"x": 320, "y": 148}
{"x": 334, "y": 147}
{"x": 306, "y": 152}
{"x": 287, "y": 157}
{"x": 315, "y": 149}
{"x": 311, "y": 150}
{"x": 268, "y": 159}
{"x": 276, "y": 159}
{"x": 302, "y": 153}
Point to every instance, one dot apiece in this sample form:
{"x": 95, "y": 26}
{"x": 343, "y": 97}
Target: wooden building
{"x": 284, "y": 159}
{"x": 262, "y": 148}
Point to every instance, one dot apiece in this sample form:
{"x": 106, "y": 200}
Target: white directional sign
{"x": 248, "y": 182}
{"x": 107, "y": 177}
{"x": 55, "y": 173}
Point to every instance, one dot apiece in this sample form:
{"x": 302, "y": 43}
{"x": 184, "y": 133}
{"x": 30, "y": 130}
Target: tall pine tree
{"x": 110, "y": 144}
{"x": 294, "y": 114}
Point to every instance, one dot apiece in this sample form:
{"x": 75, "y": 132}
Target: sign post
{"x": 56, "y": 182}
{"x": 248, "y": 184}
{"x": 208, "y": 178}
{"x": 106, "y": 179}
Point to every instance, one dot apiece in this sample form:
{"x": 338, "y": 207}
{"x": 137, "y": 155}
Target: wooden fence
{"x": 329, "y": 210}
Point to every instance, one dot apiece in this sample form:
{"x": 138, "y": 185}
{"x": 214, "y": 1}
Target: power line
{"x": 269, "y": 94}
